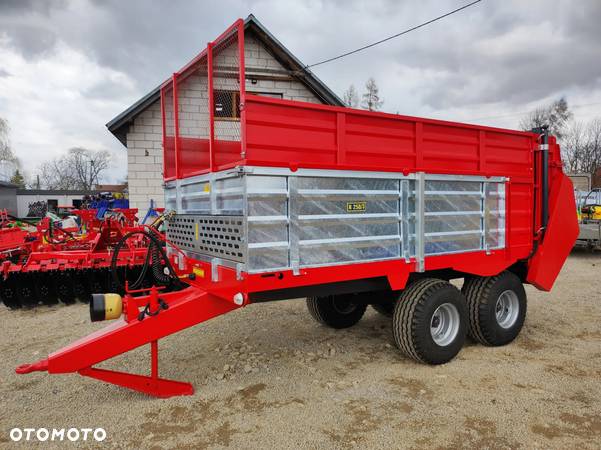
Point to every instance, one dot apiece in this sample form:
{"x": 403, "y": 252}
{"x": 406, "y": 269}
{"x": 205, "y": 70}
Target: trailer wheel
{"x": 496, "y": 308}
{"x": 336, "y": 311}
{"x": 429, "y": 323}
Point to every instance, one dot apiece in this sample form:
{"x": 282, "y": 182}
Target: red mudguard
{"x": 559, "y": 238}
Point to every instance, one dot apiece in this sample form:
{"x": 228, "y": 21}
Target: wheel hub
{"x": 444, "y": 324}
{"x": 507, "y": 309}
{"x": 343, "y": 306}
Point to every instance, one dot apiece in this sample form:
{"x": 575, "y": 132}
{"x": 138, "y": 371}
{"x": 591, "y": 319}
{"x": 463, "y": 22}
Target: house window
{"x": 268, "y": 94}
{"x": 227, "y": 103}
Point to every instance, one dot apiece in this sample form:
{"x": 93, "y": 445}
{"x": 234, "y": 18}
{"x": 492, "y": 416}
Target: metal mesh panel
{"x": 226, "y": 98}
{"x": 193, "y": 119}
{"x": 217, "y": 236}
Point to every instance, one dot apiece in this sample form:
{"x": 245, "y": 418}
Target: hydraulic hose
{"x": 155, "y": 252}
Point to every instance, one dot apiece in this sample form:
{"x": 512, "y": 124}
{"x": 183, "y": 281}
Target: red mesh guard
{"x": 226, "y": 62}
{"x": 203, "y": 121}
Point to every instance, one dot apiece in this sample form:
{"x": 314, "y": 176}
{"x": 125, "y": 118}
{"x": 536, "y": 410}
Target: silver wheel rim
{"x": 507, "y": 309}
{"x": 444, "y": 324}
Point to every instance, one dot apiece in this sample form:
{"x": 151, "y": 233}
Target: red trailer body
{"x": 287, "y": 141}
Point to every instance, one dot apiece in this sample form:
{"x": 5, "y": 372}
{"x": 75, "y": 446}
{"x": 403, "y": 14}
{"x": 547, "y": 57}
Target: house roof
{"x": 120, "y": 124}
{"x": 46, "y": 192}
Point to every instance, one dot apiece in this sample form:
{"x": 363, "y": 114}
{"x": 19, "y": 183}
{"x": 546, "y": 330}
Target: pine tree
{"x": 18, "y": 179}
{"x": 371, "y": 98}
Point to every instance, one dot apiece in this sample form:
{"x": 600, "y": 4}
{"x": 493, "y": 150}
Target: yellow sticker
{"x": 207, "y": 187}
{"x": 199, "y": 272}
{"x": 356, "y": 207}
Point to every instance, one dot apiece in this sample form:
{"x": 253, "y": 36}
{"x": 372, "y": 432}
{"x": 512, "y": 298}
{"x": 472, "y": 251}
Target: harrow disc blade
{"x": 96, "y": 283}
{"x": 45, "y": 292}
{"x": 25, "y": 290}
{"x": 80, "y": 286}
{"x": 64, "y": 288}
{"x": 8, "y": 292}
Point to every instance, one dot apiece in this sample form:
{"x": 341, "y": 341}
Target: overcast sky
{"x": 69, "y": 66}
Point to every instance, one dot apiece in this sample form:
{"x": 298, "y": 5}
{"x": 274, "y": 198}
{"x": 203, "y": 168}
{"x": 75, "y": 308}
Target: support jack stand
{"x": 150, "y": 385}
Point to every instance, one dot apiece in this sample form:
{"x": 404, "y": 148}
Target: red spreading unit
{"x": 275, "y": 199}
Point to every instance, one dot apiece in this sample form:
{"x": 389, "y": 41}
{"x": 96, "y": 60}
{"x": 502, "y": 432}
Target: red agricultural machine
{"x": 45, "y": 263}
{"x": 348, "y": 208}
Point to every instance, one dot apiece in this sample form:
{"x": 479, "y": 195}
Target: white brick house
{"x": 270, "y": 70}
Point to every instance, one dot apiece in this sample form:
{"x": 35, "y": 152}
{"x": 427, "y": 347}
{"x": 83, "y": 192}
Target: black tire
{"x": 483, "y": 297}
{"x": 413, "y": 320}
{"x": 337, "y": 311}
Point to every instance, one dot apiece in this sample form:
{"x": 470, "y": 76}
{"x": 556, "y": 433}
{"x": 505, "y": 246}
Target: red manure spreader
{"x": 347, "y": 208}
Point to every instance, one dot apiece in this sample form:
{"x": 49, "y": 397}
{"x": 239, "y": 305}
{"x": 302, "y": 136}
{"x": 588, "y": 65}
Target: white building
{"x": 270, "y": 70}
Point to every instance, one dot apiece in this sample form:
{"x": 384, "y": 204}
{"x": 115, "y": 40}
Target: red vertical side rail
{"x": 176, "y": 126}
{"x": 211, "y": 107}
{"x": 164, "y": 126}
{"x": 240, "y": 26}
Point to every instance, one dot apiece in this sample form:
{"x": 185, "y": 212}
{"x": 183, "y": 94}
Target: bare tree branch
{"x": 80, "y": 168}
{"x": 351, "y": 97}
{"x": 556, "y": 116}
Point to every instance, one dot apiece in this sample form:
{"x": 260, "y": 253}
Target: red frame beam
{"x": 186, "y": 308}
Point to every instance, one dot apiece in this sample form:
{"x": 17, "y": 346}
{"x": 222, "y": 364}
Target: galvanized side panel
{"x": 343, "y": 220}
{"x": 293, "y": 220}
{"x": 268, "y": 222}
{"x": 213, "y": 236}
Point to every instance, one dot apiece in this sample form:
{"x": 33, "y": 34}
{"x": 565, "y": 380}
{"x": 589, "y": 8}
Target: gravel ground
{"x": 268, "y": 376}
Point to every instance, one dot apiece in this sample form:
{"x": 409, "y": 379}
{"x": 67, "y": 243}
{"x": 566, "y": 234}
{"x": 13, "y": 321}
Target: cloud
{"x": 49, "y": 104}
{"x": 67, "y": 67}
